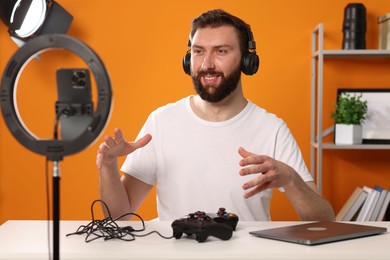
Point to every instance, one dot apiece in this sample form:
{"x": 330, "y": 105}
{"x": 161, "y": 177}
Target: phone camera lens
{"x": 78, "y": 78}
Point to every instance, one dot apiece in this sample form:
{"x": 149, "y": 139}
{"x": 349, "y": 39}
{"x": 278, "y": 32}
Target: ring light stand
{"x": 54, "y": 149}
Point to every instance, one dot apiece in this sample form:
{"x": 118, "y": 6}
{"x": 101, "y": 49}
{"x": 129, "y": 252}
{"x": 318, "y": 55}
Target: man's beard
{"x": 226, "y": 87}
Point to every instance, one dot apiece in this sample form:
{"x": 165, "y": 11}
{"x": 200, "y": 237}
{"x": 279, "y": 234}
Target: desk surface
{"x": 28, "y": 239}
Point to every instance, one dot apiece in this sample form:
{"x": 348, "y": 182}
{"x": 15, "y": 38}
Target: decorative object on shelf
{"x": 348, "y": 134}
{"x": 354, "y": 27}
{"x": 384, "y": 32}
{"x": 376, "y": 126}
{"x": 351, "y": 110}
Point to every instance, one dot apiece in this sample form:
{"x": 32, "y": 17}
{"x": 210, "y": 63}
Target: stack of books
{"x": 366, "y": 204}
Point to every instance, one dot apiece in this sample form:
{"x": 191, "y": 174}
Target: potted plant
{"x": 350, "y": 112}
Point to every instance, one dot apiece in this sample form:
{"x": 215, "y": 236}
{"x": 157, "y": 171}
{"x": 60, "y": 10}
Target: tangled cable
{"x": 108, "y": 229}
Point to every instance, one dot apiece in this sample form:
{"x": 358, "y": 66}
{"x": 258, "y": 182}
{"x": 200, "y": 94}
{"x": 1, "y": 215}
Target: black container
{"x": 354, "y": 27}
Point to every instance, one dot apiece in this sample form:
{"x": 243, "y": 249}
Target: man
{"x": 214, "y": 149}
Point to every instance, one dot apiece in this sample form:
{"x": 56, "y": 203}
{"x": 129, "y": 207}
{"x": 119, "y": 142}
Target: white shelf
{"x": 317, "y": 132}
{"x": 333, "y": 146}
{"x": 352, "y": 53}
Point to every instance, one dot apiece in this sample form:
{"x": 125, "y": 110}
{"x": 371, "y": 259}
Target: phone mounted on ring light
{"x": 55, "y": 149}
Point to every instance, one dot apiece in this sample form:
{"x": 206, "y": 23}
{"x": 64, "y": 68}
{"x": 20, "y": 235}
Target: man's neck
{"x": 221, "y": 111}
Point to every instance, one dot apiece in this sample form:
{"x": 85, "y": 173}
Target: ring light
{"x": 54, "y": 149}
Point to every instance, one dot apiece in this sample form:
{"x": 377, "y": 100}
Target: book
{"x": 387, "y": 214}
{"x": 369, "y": 204}
{"x": 385, "y": 206}
{"x": 352, "y": 205}
{"x": 382, "y": 195}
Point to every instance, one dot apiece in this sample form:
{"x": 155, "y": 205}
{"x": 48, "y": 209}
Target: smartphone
{"x": 74, "y": 86}
{"x": 74, "y": 107}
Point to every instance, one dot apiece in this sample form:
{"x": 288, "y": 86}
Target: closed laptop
{"x": 319, "y": 232}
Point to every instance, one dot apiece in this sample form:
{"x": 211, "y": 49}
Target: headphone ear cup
{"x": 187, "y": 63}
{"x": 250, "y": 63}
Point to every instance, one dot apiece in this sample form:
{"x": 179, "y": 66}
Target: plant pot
{"x": 348, "y": 134}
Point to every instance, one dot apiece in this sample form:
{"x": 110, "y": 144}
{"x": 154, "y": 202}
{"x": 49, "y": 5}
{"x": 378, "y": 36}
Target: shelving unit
{"x": 317, "y": 75}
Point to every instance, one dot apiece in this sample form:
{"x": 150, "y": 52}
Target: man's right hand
{"x": 117, "y": 146}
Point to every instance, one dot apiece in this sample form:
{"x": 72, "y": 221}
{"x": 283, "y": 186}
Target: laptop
{"x": 319, "y": 232}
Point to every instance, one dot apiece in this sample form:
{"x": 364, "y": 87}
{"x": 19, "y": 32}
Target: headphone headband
{"x": 251, "y": 41}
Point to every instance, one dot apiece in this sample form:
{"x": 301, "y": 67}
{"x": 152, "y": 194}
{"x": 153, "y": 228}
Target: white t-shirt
{"x": 195, "y": 163}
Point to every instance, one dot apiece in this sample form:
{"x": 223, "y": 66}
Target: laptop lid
{"x": 319, "y": 232}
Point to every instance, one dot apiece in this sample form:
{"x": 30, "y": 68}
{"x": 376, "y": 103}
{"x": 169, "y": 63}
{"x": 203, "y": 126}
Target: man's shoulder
{"x": 172, "y": 107}
{"x": 258, "y": 111}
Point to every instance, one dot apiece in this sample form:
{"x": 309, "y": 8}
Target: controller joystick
{"x": 227, "y": 218}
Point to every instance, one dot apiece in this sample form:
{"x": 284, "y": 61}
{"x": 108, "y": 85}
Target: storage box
{"x": 384, "y": 32}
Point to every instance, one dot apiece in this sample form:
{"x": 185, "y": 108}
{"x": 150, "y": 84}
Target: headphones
{"x": 249, "y": 62}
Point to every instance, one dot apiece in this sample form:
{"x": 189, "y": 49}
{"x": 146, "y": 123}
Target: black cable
{"x": 152, "y": 232}
{"x": 63, "y": 111}
{"x": 108, "y": 229}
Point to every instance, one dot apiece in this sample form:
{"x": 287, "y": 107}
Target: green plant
{"x": 350, "y": 109}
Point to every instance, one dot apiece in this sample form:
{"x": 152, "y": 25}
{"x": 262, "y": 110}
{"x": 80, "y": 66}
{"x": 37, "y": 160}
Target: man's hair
{"x": 216, "y": 18}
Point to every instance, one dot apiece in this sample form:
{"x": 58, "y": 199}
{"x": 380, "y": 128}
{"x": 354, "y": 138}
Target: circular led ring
{"x": 55, "y": 149}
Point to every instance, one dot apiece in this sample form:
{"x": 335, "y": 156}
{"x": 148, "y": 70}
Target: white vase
{"x": 348, "y": 134}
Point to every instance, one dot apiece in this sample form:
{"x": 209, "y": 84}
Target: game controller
{"x": 202, "y": 226}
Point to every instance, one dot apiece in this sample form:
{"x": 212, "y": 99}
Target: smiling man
{"x": 214, "y": 149}
{"x": 216, "y": 60}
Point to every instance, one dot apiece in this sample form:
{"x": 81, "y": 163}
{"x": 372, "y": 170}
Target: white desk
{"x": 28, "y": 240}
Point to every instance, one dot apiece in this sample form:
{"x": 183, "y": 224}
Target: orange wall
{"x": 142, "y": 44}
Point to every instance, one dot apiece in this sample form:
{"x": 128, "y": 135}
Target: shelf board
{"x": 333, "y": 146}
{"x": 367, "y": 53}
